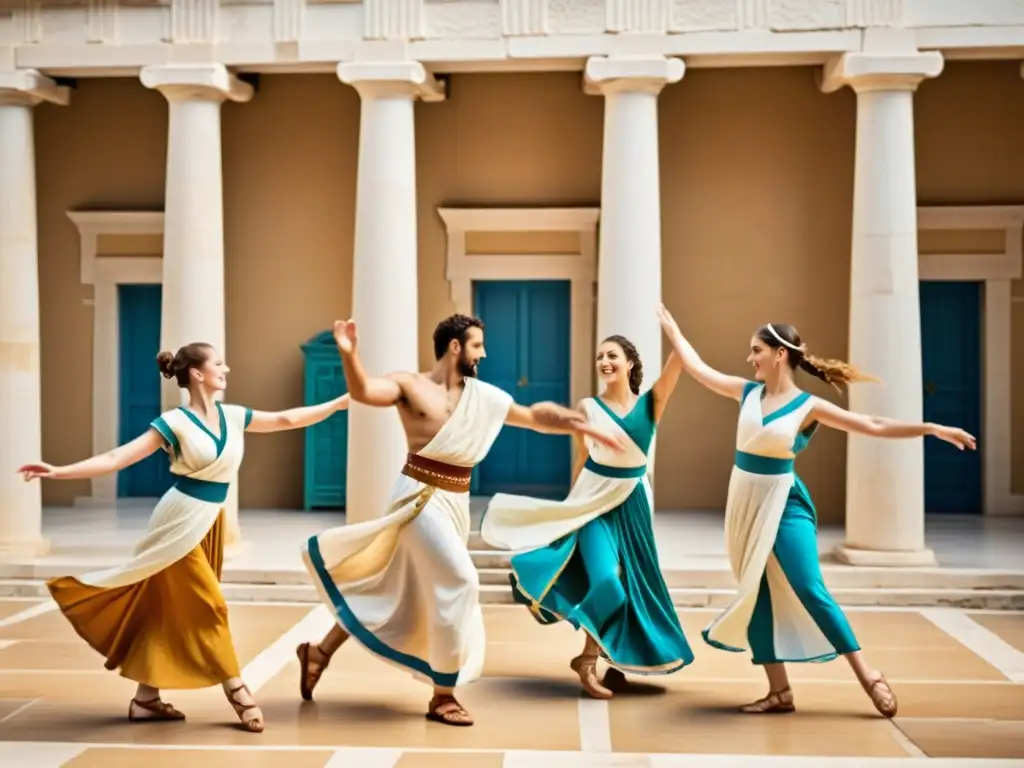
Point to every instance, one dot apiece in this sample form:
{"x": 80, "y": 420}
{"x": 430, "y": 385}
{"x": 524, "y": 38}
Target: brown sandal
{"x": 162, "y": 712}
{"x": 775, "y": 703}
{"x": 882, "y": 697}
{"x": 445, "y": 709}
{"x": 254, "y": 722}
{"x": 586, "y": 668}
{"x": 309, "y": 670}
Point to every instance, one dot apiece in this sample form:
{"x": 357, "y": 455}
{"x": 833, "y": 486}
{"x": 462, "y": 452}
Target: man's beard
{"x": 465, "y": 367}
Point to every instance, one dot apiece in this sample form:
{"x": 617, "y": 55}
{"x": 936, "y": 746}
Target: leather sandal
{"x": 586, "y": 668}
{"x": 775, "y": 703}
{"x": 882, "y": 697}
{"x": 250, "y": 715}
{"x": 160, "y": 711}
{"x": 445, "y": 709}
{"x": 309, "y": 670}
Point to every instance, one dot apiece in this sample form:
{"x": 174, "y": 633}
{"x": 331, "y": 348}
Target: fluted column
{"x": 384, "y": 285}
{"x": 885, "y": 478}
{"x": 20, "y": 398}
{"x": 193, "y": 306}
{"x": 629, "y": 260}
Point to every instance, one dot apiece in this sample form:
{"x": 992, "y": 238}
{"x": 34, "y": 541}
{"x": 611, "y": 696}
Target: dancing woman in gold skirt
{"x": 161, "y": 618}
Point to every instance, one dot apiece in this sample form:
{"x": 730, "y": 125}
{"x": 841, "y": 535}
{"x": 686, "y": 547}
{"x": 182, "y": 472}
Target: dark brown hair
{"x": 179, "y": 364}
{"x": 835, "y": 372}
{"x": 636, "y": 373}
{"x": 454, "y": 328}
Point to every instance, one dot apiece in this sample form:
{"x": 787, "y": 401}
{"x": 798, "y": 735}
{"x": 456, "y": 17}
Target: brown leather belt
{"x": 445, "y": 477}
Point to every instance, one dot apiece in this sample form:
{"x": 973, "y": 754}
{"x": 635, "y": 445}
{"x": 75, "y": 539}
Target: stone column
{"x": 20, "y": 400}
{"x": 193, "y": 259}
{"x": 629, "y": 257}
{"x": 384, "y": 285}
{"x": 885, "y": 478}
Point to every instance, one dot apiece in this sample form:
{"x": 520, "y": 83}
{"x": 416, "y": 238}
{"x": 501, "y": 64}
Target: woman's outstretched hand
{"x": 956, "y": 436}
{"x": 668, "y": 323}
{"x": 40, "y": 470}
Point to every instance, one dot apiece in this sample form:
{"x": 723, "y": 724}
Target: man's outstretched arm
{"x": 554, "y": 419}
{"x": 377, "y": 391}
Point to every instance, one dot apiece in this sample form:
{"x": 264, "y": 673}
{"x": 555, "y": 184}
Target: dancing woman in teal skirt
{"x": 782, "y": 611}
{"x": 591, "y": 559}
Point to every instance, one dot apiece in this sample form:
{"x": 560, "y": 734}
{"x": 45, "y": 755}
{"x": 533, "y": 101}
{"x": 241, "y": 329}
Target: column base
{"x": 11, "y": 550}
{"x": 915, "y": 558}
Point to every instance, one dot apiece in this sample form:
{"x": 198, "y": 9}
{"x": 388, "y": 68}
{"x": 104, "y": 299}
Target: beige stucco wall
{"x": 757, "y": 176}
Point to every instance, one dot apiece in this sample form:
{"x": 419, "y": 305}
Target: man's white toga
{"x": 404, "y": 585}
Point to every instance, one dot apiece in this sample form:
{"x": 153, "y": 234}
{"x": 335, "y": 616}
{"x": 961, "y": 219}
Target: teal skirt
{"x": 605, "y": 578}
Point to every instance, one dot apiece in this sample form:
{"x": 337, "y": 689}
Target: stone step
{"x": 500, "y": 594}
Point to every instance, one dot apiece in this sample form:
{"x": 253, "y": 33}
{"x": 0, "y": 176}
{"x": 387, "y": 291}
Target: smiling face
{"x": 213, "y": 373}
{"x": 612, "y": 363}
{"x": 765, "y": 359}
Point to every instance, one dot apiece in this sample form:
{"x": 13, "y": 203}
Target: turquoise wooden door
{"x": 951, "y": 367}
{"x": 139, "y": 386}
{"x": 327, "y": 442}
{"x": 527, "y": 340}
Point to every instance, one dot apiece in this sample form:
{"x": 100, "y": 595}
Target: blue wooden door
{"x": 139, "y": 386}
{"x": 951, "y": 367}
{"x": 327, "y": 442}
{"x": 527, "y": 339}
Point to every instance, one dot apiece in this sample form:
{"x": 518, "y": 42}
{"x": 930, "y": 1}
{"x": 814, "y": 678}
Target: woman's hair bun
{"x": 165, "y": 362}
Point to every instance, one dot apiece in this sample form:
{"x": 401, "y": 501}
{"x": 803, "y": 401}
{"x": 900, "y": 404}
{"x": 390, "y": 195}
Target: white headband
{"x": 781, "y": 340}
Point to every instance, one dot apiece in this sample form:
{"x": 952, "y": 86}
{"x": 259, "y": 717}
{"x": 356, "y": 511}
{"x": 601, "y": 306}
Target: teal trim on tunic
{"x": 204, "y": 490}
{"x": 160, "y": 425}
{"x": 248, "y": 417}
{"x": 365, "y": 636}
{"x": 605, "y": 577}
{"x": 221, "y": 441}
{"x": 796, "y": 550}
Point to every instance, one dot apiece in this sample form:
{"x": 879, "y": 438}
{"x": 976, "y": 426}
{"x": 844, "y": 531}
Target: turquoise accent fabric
{"x": 796, "y": 549}
{"x": 160, "y": 425}
{"x": 221, "y": 441}
{"x": 618, "y": 473}
{"x": 248, "y": 417}
{"x": 762, "y": 465}
{"x": 203, "y": 490}
{"x": 361, "y": 633}
{"x": 606, "y": 579}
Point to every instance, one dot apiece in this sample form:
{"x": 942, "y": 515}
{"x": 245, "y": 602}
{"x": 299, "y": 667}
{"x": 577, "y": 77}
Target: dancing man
{"x": 404, "y": 585}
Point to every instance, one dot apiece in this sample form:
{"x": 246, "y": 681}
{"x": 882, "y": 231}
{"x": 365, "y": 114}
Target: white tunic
{"x": 523, "y": 523}
{"x": 758, "y": 491}
{"x": 404, "y": 585}
{"x": 205, "y": 465}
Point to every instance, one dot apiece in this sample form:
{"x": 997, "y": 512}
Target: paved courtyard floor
{"x": 959, "y": 676}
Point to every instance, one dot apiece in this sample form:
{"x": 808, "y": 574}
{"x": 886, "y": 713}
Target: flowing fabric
{"x": 782, "y": 610}
{"x": 161, "y": 617}
{"x": 404, "y": 585}
{"x": 592, "y": 559}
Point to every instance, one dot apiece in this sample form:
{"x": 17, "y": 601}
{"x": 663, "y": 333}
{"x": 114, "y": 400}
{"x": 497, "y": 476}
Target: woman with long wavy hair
{"x": 782, "y": 611}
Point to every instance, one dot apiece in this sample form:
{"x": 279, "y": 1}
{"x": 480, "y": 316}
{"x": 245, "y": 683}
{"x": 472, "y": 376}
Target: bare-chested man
{"x": 404, "y": 585}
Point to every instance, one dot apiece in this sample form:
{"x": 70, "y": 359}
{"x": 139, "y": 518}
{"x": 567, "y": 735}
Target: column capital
{"x": 27, "y": 87}
{"x": 617, "y": 74}
{"x": 195, "y": 82}
{"x": 866, "y": 72}
{"x": 375, "y": 79}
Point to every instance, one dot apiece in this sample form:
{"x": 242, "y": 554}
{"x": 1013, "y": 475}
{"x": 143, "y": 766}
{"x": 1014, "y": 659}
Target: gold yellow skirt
{"x": 167, "y": 631}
